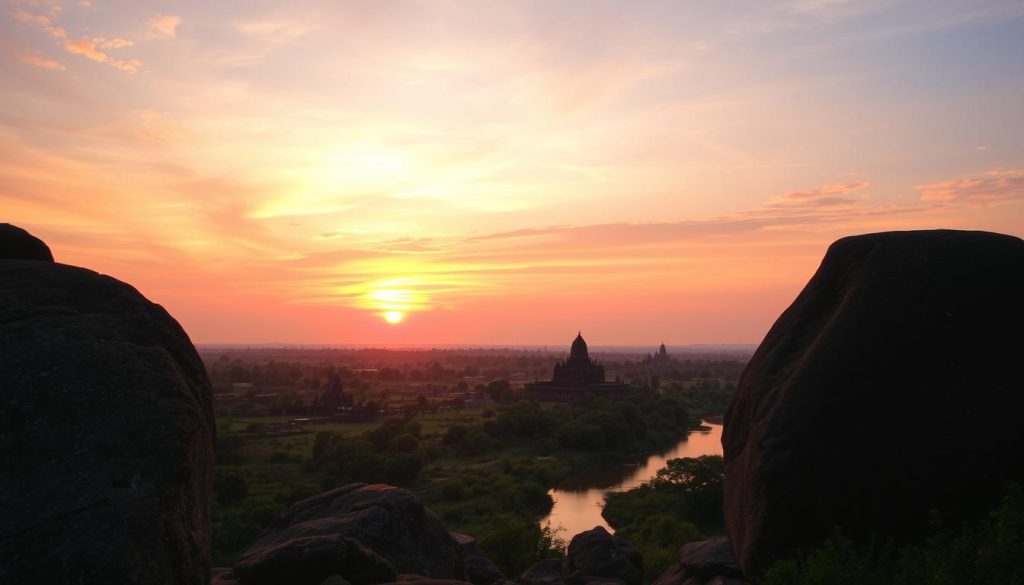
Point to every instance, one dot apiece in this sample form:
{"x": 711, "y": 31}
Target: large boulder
{"x": 545, "y": 572}
{"x": 389, "y": 521}
{"x": 18, "y": 244}
{"x": 312, "y": 559}
{"x": 889, "y": 388}
{"x": 597, "y": 555}
{"x": 701, "y": 563}
{"x": 709, "y": 558}
{"x": 107, "y": 433}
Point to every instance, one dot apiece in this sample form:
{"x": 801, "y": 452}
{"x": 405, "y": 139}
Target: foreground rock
{"x": 594, "y": 556}
{"x": 703, "y": 563}
{"x": 17, "y": 244}
{"x": 480, "y": 570}
{"x": 384, "y": 521}
{"x": 890, "y": 387}
{"x": 312, "y": 559}
{"x": 107, "y": 433}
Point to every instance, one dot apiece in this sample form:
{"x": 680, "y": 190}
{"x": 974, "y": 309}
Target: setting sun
{"x": 394, "y": 317}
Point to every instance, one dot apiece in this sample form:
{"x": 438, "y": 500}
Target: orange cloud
{"x": 995, "y": 186}
{"x": 86, "y": 48}
{"x": 165, "y": 25}
{"x": 40, "y": 61}
{"x": 90, "y": 48}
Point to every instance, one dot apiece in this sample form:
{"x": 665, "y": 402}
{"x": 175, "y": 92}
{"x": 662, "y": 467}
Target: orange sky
{"x": 499, "y": 172}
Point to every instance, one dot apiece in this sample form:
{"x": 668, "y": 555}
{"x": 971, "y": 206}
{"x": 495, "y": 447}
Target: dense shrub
{"x": 990, "y": 550}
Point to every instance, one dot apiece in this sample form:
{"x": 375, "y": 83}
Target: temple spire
{"x": 578, "y": 351}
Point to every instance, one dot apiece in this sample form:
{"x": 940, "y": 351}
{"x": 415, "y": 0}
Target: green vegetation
{"x": 982, "y": 552}
{"x": 448, "y": 425}
{"x": 470, "y": 467}
{"x": 682, "y": 504}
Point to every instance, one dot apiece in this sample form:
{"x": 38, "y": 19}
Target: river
{"x": 579, "y": 499}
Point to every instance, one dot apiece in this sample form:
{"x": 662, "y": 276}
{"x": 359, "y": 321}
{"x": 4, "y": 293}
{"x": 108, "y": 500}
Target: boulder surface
{"x": 889, "y": 388}
{"x": 597, "y": 555}
{"x": 389, "y": 521}
{"x": 107, "y": 432}
{"x": 18, "y": 244}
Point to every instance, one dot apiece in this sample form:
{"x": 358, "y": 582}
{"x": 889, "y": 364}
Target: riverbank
{"x": 579, "y": 499}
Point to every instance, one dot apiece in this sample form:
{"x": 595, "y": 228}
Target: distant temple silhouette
{"x": 576, "y": 377}
{"x": 660, "y": 357}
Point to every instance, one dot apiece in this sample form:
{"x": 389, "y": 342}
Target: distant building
{"x": 576, "y": 377}
{"x": 334, "y": 402}
{"x": 333, "y": 397}
{"x": 661, "y": 357}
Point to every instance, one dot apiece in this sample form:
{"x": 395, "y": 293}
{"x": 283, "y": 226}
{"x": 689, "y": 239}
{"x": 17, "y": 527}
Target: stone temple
{"x": 576, "y": 377}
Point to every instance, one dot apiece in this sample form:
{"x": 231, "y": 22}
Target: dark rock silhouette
{"x": 852, "y": 411}
{"x": 18, "y": 244}
{"x": 708, "y": 558}
{"x": 596, "y": 553}
{"x": 389, "y": 521}
{"x": 703, "y": 562}
{"x": 107, "y": 440}
{"x": 546, "y": 572}
{"x": 594, "y": 556}
{"x": 312, "y": 559}
{"x": 480, "y": 570}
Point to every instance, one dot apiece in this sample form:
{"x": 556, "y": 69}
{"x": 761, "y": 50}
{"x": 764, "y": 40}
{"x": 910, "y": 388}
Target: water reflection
{"x": 578, "y": 500}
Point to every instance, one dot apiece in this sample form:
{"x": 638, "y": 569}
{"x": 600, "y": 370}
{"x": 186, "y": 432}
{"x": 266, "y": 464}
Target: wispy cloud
{"x": 278, "y": 30}
{"x": 825, "y": 195}
{"x": 40, "y": 61}
{"x": 994, "y": 186}
{"x": 165, "y": 25}
{"x": 90, "y": 49}
{"x": 41, "y": 21}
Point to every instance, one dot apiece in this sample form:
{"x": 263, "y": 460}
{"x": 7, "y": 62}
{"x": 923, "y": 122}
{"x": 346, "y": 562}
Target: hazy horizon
{"x": 555, "y": 347}
{"x": 455, "y": 173}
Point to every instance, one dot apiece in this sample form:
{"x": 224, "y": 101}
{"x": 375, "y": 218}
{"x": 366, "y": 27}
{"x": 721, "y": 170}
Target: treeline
{"x": 396, "y": 451}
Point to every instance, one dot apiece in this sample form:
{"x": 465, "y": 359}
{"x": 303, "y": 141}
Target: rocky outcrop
{"x": 546, "y": 572}
{"x": 594, "y": 556}
{"x": 702, "y": 563}
{"x": 387, "y": 521}
{"x": 709, "y": 558}
{"x": 107, "y": 430}
{"x": 17, "y": 244}
{"x": 312, "y": 559}
{"x": 889, "y": 388}
{"x": 596, "y": 553}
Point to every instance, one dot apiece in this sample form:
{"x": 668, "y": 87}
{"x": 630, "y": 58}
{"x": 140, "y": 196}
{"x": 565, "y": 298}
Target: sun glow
{"x": 394, "y": 317}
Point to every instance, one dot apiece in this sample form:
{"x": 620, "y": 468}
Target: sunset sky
{"x": 499, "y": 172}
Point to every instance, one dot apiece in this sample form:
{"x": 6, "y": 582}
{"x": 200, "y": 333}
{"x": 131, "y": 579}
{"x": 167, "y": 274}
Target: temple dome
{"x": 579, "y": 349}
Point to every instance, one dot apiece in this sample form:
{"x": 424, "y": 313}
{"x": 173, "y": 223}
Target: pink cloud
{"x": 830, "y": 194}
{"x": 42, "y": 22}
{"x": 997, "y": 185}
{"x": 90, "y": 48}
{"x": 165, "y": 25}
{"x": 86, "y": 48}
{"x": 40, "y": 61}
